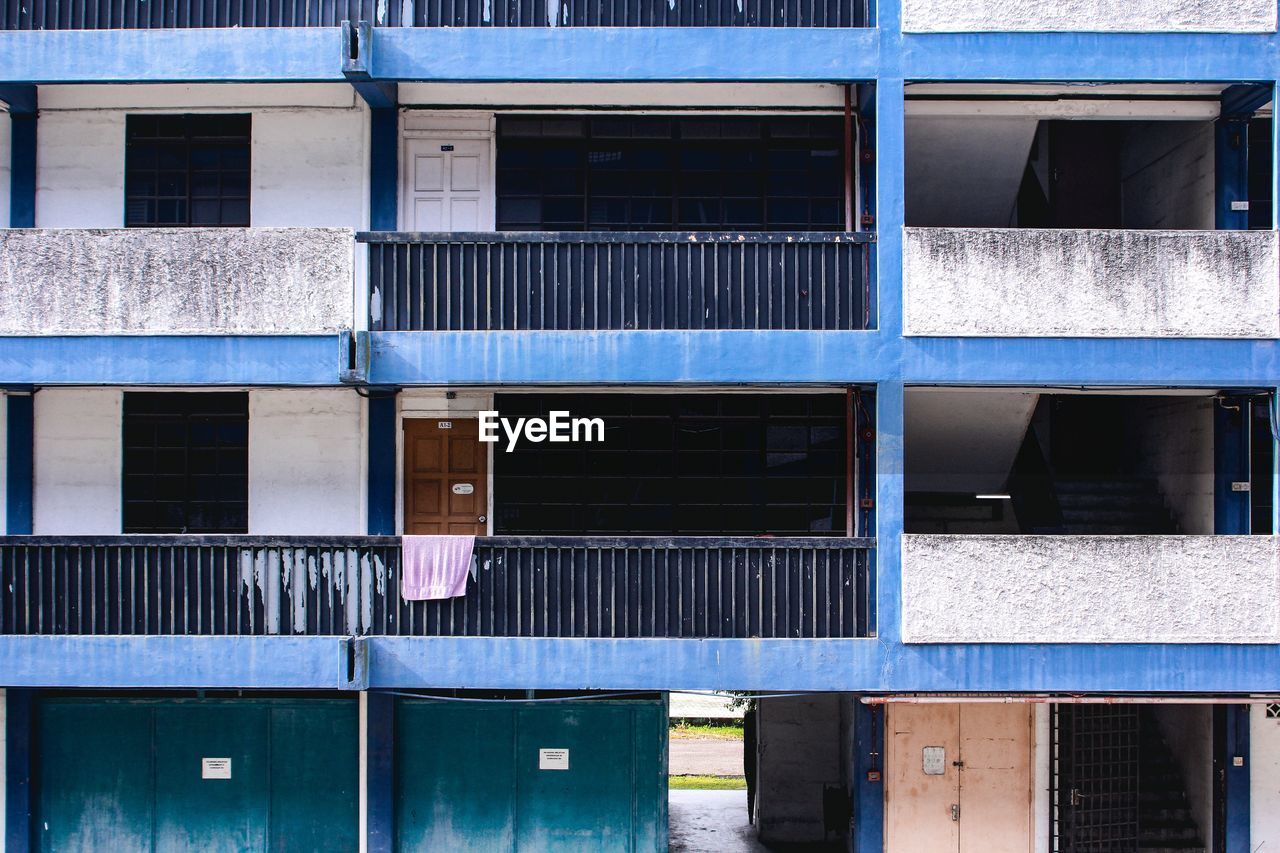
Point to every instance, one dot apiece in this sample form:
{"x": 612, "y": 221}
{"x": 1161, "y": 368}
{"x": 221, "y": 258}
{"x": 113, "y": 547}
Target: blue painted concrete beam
{"x": 861, "y": 666}
{"x": 172, "y": 360}
{"x": 617, "y": 54}
{"x": 245, "y": 54}
{"x": 126, "y": 662}
{"x": 728, "y": 357}
{"x": 1091, "y": 57}
{"x": 639, "y": 54}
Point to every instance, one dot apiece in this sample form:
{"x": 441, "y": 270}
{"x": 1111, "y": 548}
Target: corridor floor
{"x": 711, "y": 822}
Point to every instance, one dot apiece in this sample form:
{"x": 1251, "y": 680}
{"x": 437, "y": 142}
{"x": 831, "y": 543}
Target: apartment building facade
{"x": 935, "y": 348}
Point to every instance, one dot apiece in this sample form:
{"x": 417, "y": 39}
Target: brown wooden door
{"x": 445, "y": 477}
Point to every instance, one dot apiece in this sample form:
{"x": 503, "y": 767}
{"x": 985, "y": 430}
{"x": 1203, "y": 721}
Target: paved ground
{"x": 711, "y": 822}
{"x": 705, "y": 757}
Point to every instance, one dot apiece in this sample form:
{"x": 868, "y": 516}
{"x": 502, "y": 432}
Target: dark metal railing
{"x": 615, "y": 281}
{"x": 638, "y": 13}
{"x": 684, "y": 587}
{"x": 187, "y": 14}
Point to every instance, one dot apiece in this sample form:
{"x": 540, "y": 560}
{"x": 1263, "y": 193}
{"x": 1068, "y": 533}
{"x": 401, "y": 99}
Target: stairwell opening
{"x": 1141, "y": 462}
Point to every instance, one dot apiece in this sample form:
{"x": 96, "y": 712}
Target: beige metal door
{"x": 919, "y": 804}
{"x": 996, "y": 778}
{"x": 448, "y": 185}
{"x": 958, "y": 778}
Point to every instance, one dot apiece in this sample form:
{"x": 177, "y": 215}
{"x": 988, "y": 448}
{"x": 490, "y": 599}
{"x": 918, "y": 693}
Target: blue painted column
{"x": 1231, "y": 423}
{"x": 868, "y": 778}
{"x": 19, "y": 467}
{"x": 382, "y": 463}
{"x": 22, "y": 154}
{"x": 18, "y": 755}
{"x": 380, "y": 772}
{"x": 384, "y": 168}
{"x": 1231, "y": 766}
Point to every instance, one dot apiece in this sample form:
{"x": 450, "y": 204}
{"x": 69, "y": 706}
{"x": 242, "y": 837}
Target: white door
{"x": 448, "y": 185}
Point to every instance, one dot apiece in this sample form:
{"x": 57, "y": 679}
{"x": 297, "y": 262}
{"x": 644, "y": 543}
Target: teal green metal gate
{"x": 206, "y": 775}
{"x": 526, "y": 777}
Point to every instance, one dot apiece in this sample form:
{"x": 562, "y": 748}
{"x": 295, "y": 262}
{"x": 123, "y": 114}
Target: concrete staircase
{"x": 1165, "y": 823}
{"x": 1097, "y": 507}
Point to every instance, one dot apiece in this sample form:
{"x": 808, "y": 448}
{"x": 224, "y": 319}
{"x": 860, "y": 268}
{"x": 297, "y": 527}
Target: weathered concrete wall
{"x": 1168, "y": 175}
{"x": 1029, "y": 282}
{"x": 801, "y": 745}
{"x": 306, "y": 462}
{"x": 941, "y": 16}
{"x": 1264, "y": 779}
{"x": 1175, "y": 446}
{"x": 1090, "y": 589}
{"x": 1188, "y": 730}
{"x": 78, "y": 448}
{"x": 6, "y": 134}
{"x": 173, "y": 281}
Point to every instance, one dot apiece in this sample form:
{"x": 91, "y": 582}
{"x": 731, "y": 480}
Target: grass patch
{"x": 707, "y": 783}
{"x": 724, "y": 731}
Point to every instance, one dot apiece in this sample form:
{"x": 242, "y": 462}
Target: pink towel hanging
{"x": 435, "y": 567}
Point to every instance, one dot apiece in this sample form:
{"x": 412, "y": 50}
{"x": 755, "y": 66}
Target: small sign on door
{"x": 935, "y": 761}
{"x": 553, "y": 759}
{"x": 215, "y": 768}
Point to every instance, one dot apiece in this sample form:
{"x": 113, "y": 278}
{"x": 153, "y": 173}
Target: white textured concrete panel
{"x": 1031, "y": 282}
{"x": 1097, "y": 16}
{"x": 1090, "y": 589}
{"x": 306, "y": 453}
{"x": 176, "y": 281}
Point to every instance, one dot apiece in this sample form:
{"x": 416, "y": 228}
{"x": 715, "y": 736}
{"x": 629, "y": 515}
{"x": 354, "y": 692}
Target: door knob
{"x": 955, "y": 811}
{"x": 482, "y": 519}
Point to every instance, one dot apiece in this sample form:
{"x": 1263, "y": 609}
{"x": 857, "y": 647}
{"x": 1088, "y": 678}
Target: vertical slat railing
{"x": 187, "y": 585}
{"x": 190, "y": 14}
{"x": 616, "y": 587}
{"x": 614, "y": 281}
{"x": 682, "y": 587}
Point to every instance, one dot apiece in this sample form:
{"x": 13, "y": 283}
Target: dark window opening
{"x": 670, "y": 173}
{"x": 186, "y": 462}
{"x": 187, "y": 170}
{"x": 678, "y": 465}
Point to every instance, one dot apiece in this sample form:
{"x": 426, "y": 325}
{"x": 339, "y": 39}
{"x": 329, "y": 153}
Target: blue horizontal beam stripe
{"x": 193, "y": 55}
{"x": 636, "y": 53}
{"x": 171, "y": 360}
{"x": 852, "y": 665}
{"x": 268, "y": 662}
{"x": 652, "y": 664}
{"x": 1097, "y": 57}
{"x": 657, "y": 357}
{"x": 639, "y": 54}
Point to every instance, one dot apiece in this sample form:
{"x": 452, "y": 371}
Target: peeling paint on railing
{"x": 691, "y": 587}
